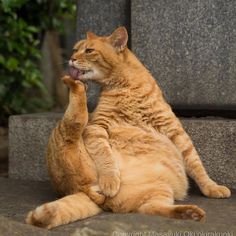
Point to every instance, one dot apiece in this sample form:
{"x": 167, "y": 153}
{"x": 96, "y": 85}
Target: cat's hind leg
{"x": 162, "y": 204}
{"x": 184, "y": 212}
{"x": 63, "y": 211}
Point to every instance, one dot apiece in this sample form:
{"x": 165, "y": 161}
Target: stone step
{"x": 28, "y": 137}
{"x": 17, "y": 197}
{"x": 214, "y": 139}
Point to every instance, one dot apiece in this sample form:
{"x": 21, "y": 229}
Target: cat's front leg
{"x": 98, "y": 147}
{"x": 76, "y": 115}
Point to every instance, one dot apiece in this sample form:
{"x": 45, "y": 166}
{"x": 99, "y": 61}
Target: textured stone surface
{"x": 213, "y": 138}
{"x": 28, "y": 136}
{"x": 12, "y": 228}
{"x": 189, "y": 47}
{"x": 18, "y": 197}
{"x": 101, "y": 20}
{"x": 101, "y": 17}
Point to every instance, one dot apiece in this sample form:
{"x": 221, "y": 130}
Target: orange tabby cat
{"x": 132, "y": 155}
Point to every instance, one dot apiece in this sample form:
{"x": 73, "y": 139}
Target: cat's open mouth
{"x": 76, "y": 73}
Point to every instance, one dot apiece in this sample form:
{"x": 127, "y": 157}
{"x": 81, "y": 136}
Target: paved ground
{"x": 18, "y": 197}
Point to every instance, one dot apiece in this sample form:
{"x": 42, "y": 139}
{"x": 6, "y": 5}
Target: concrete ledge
{"x": 19, "y": 197}
{"x": 28, "y": 137}
{"x": 28, "y": 134}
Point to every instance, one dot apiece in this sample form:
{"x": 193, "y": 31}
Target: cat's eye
{"x": 89, "y": 50}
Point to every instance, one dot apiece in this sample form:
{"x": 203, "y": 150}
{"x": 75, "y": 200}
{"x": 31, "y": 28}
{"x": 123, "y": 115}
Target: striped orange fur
{"x": 132, "y": 155}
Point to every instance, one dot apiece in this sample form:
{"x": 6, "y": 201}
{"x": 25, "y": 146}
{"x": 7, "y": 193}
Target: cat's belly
{"x": 147, "y": 157}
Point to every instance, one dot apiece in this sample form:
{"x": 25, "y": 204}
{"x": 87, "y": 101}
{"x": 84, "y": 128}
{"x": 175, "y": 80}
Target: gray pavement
{"x": 17, "y": 197}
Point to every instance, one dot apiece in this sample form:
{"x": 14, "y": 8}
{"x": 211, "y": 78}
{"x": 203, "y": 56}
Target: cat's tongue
{"x": 74, "y": 72}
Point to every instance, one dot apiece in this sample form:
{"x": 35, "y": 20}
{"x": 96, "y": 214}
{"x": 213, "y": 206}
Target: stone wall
{"x": 189, "y": 46}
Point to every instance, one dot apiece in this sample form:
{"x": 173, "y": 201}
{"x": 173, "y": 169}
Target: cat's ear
{"x": 91, "y": 35}
{"x": 119, "y": 38}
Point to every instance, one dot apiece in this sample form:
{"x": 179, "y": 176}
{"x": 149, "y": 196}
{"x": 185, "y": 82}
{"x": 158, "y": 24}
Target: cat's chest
{"x": 127, "y": 108}
{"x": 133, "y": 139}
{"x": 135, "y": 112}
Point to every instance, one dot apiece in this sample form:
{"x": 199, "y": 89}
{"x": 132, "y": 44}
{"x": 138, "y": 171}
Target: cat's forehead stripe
{"x": 82, "y": 45}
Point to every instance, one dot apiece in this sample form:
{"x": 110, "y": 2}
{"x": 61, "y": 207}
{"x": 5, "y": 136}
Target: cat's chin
{"x": 78, "y": 74}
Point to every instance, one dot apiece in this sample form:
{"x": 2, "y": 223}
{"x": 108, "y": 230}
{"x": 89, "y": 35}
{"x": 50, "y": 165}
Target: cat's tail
{"x": 63, "y": 211}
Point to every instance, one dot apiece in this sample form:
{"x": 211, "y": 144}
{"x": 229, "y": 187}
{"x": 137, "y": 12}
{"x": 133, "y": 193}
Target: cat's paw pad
{"x": 189, "y": 212}
{"x": 216, "y": 191}
{"x": 71, "y": 83}
{"x": 109, "y": 183}
{"x": 68, "y": 80}
{"x": 43, "y": 216}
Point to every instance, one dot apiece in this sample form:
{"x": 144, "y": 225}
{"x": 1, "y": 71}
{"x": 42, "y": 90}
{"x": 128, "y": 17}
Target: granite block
{"x": 28, "y": 137}
{"x": 214, "y": 139}
{"x": 190, "y": 48}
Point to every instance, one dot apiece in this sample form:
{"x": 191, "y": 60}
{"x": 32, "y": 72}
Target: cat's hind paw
{"x": 189, "y": 212}
{"x": 43, "y": 216}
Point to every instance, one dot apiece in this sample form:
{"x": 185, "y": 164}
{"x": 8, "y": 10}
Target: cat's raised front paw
{"x": 74, "y": 84}
{"x": 109, "y": 183}
{"x": 216, "y": 191}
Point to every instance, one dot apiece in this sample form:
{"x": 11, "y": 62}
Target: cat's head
{"x": 96, "y": 57}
